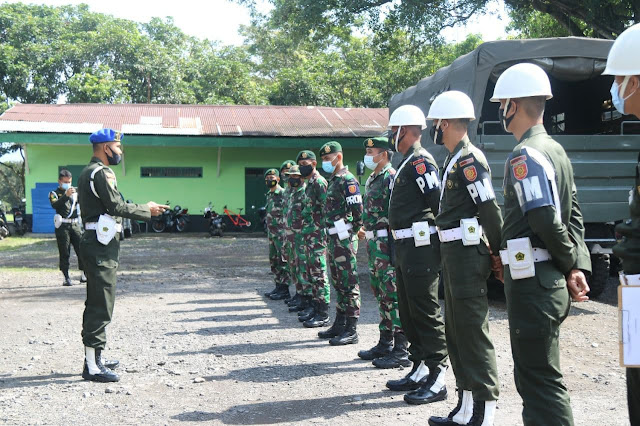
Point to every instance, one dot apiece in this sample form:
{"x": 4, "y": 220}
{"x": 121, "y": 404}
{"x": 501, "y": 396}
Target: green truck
{"x": 603, "y": 145}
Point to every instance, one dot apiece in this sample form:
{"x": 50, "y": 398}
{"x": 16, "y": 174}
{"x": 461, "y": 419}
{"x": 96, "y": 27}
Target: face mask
{"x": 114, "y": 159}
{"x": 328, "y": 167}
{"x": 616, "y": 98}
{"x": 504, "y": 121}
{"x": 393, "y": 142}
{"x": 294, "y": 182}
{"x": 65, "y": 186}
{"x": 368, "y": 161}
{"x": 306, "y": 170}
{"x": 436, "y": 134}
{"x": 271, "y": 183}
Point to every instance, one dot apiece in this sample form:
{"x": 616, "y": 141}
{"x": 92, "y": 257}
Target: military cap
{"x": 330, "y": 148}
{"x": 287, "y": 164}
{"x": 105, "y": 135}
{"x": 379, "y": 142}
{"x": 293, "y": 170}
{"x": 270, "y": 172}
{"x": 305, "y": 155}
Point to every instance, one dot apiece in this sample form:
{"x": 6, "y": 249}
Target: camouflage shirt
{"x": 343, "y": 200}
{"x": 275, "y": 210}
{"x": 295, "y": 206}
{"x": 376, "y": 199}
{"x": 315, "y": 197}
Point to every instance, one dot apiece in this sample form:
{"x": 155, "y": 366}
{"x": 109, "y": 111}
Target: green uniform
{"x": 470, "y": 348}
{"x": 315, "y": 238}
{"x": 101, "y": 261}
{"x": 297, "y": 256}
{"x": 382, "y": 274}
{"x": 540, "y": 203}
{"x": 69, "y": 232}
{"x": 276, "y": 233}
{"x": 415, "y": 198}
{"x": 628, "y": 250}
{"x": 344, "y": 202}
{"x": 286, "y": 248}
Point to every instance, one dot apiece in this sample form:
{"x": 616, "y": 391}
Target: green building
{"x": 186, "y": 154}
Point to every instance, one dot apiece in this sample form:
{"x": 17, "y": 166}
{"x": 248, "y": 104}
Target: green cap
{"x": 287, "y": 164}
{"x": 270, "y": 172}
{"x": 330, "y": 148}
{"x": 305, "y": 155}
{"x": 293, "y": 170}
{"x": 379, "y": 142}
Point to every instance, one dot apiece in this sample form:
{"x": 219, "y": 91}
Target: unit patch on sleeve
{"x": 470, "y": 173}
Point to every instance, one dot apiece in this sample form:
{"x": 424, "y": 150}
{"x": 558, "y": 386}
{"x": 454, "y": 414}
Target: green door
{"x": 254, "y": 193}
{"x": 75, "y": 173}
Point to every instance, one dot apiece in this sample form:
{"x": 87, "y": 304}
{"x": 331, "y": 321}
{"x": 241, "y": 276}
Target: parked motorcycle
{"x": 216, "y": 225}
{"x": 4, "y": 227}
{"x": 19, "y": 218}
{"x": 171, "y": 219}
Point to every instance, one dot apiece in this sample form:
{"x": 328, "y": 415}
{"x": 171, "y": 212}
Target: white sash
{"x": 393, "y": 185}
{"x": 453, "y": 161}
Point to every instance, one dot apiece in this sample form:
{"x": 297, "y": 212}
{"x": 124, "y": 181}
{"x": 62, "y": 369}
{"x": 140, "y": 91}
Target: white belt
{"x": 380, "y": 233}
{"x": 453, "y": 234}
{"x": 74, "y": 220}
{"x": 539, "y": 255}
{"x": 334, "y": 231}
{"x": 631, "y": 279}
{"x": 92, "y": 226}
{"x": 401, "y": 234}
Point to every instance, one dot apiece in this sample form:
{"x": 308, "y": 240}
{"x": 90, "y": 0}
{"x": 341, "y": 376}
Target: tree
{"x": 11, "y": 175}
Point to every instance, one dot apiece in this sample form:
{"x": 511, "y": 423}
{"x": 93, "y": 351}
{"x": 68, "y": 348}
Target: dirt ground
{"x": 191, "y": 307}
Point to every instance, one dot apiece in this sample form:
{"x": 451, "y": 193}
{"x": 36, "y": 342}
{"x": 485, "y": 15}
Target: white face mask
{"x": 368, "y": 161}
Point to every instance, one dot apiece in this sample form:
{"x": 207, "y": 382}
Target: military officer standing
{"x": 343, "y": 219}
{"x": 276, "y": 235}
{"x": 469, "y": 225}
{"x": 64, "y": 200}
{"x": 382, "y": 274}
{"x": 543, "y": 242}
{"x": 102, "y": 211}
{"x": 284, "y": 180}
{"x": 413, "y": 204}
{"x": 624, "y": 64}
{"x": 315, "y": 241}
{"x": 297, "y": 256}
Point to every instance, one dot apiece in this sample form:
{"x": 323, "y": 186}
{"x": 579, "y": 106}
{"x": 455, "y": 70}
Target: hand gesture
{"x": 156, "y": 209}
{"x": 70, "y": 191}
{"x": 577, "y": 284}
{"x": 362, "y": 234}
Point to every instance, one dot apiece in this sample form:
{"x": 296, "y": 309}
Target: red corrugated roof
{"x": 211, "y": 120}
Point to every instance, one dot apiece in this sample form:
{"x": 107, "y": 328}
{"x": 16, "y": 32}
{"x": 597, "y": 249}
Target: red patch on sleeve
{"x": 470, "y": 173}
{"x": 466, "y": 162}
{"x": 352, "y": 189}
{"x": 520, "y": 170}
{"x": 418, "y": 161}
{"x": 518, "y": 160}
{"x": 421, "y": 168}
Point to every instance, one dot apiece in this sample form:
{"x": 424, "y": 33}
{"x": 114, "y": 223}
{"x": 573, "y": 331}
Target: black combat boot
{"x": 412, "y": 381}
{"x": 301, "y": 305}
{"x": 67, "y": 281}
{"x": 460, "y": 415}
{"x": 348, "y": 336}
{"x": 321, "y": 318}
{"x": 308, "y": 312}
{"x": 381, "y": 349}
{"x": 95, "y": 370}
{"x": 336, "y": 329}
{"x": 294, "y": 300}
{"x": 398, "y": 357}
{"x": 281, "y": 294}
{"x": 484, "y": 413}
{"x": 432, "y": 390}
{"x": 290, "y": 298}
{"x": 274, "y": 291}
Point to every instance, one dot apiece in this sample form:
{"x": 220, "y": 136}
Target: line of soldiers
{"x": 423, "y": 223}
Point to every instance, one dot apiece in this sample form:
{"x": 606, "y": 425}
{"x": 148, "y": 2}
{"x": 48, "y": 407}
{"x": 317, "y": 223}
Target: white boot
{"x": 90, "y": 359}
{"x": 421, "y": 372}
{"x": 484, "y": 413}
{"x": 465, "y": 411}
{"x": 439, "y": 383}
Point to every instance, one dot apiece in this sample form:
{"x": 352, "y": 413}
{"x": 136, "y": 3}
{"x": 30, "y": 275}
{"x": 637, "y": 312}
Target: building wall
{"x": 194, "y": 193}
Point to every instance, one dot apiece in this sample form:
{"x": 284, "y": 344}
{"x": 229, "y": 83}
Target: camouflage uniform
{"x": 315, "y": 238}
{"x": 344, "y": 202}
{"x": 297, "y": 256}
{"x": 275, "y": 208}
{"x": 382, "y": 274}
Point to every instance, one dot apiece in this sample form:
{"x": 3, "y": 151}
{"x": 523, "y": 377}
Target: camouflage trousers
{"x": 316, "y": 255}
{"x": 277, "y": 259}
{"x": 344, "y": 275}
{"x": 296, "y": 262}
{"x": 383, "y": 283}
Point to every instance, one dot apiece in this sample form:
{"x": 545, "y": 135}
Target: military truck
{"x": 602, "y": 144}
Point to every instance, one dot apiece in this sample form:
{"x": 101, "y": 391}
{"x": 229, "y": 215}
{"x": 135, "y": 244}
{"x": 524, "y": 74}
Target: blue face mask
{"x": 618, "y": 101}
{"x": 328, "y": 167}
{"x": 65, "y": 186}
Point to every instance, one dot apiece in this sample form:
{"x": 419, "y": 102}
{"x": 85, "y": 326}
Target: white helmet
{"x": 522, "y": 81}
{"x": 451, "y": 104}
{"x": 623, "y": 57}
{"x": 408, "y": 115}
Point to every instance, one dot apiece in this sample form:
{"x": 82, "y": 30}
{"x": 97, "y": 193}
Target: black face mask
{"x": 295, "y": 182}
{"x": 440, "y": 135}
{"x": 113, "y": 159}
{"x": 505, "y": 122}
{"x": 391, "y": 141}
{"x": 306, "y": 170}
{"x": 271, "y": 183}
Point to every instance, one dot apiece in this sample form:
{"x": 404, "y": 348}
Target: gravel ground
{"x": 198, "y": 342}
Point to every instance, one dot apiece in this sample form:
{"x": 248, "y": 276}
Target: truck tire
{"x": 599, "y": 274}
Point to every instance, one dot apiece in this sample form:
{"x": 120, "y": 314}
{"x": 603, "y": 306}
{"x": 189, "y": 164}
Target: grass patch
{"x": 25, "y": 269}
{"x": 15, "y": 243}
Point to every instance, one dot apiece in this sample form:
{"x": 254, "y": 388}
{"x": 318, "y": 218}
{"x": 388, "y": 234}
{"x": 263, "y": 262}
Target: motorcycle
{"x": 4, "y": 228}
{"x": 262, "y": 213}
{"x": 19, "y": 218}
{"x": 216, "y": 225}
{"x": 171, "y": 219}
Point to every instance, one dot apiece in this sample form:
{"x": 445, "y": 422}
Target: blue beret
{"x": 105, "y": 135}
